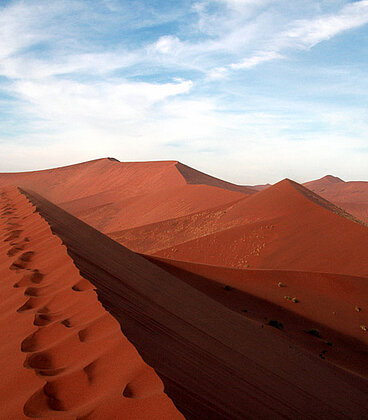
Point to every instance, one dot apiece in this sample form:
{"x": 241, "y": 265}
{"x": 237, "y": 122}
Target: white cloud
{"x": 240, "y": 4}
{"x": 68, "y": 101}
{"x": 256, "y": 59}
{"x": 14, "y": 34}
{"x": 306, "y": 33}
{"x": 167, "y": 44}
{"x": 93, "y": 63}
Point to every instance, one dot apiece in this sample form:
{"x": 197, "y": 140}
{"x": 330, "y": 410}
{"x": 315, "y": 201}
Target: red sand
{"x": 214, "y": 362}
{"x": 117, "y": 213}
{"x": 252, "y": 303}
{"x": 325, "y": 302}
{"x": 62, "y": 354}
{"x": 121, "y": 192}
{"x": 351, "y": 196}
{"x": 285, "y": 226}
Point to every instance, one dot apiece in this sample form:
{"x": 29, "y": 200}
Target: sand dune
{"x": 63, "y": 355}
{"x": 250, "y": 302}
{"x": 122, "y": 192}
{"x": 115, "y": 213}
{"x": 74, "y": 181}
{"x": 192, "y": 176}
{"x": 323, "y": 318}
{"x": 351, "y": 196}
{"x": 285, "y": 226}
{"x": 215, "y": 363}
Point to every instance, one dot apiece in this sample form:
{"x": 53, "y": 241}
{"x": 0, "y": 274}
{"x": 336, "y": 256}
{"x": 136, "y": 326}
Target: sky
{"x": 251, "y": 91}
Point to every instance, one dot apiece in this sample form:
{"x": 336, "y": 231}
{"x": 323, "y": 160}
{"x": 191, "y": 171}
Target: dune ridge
{"x": 82, "y": 364}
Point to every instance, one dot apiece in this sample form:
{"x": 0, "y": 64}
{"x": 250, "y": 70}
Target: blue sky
{"x": 251, "y": 91}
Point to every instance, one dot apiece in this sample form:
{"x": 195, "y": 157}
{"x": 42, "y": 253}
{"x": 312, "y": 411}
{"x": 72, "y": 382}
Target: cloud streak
{"x": 305, "y": 34}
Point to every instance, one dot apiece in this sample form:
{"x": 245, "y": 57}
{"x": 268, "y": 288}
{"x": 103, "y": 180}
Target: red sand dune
{"x": 121, "y": 192}
{"x": 214, "y": 362}
{"x": 62, "y": 355}
{"x": 118, "y": 213}
{"x": 326, "y": 303}
{"x": 351, "y": 196}
{"x": 252, "y": 303}
{"x": 285, "y": 226}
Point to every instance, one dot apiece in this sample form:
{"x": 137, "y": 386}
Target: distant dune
{"x": 351, "y": 196}
{"x": 285, "y": 226}
{"x": 112, "y": 195}
{"x": 151, "y": 290}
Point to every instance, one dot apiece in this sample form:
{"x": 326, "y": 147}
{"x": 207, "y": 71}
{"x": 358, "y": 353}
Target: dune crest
{"x": 76, "y": 361}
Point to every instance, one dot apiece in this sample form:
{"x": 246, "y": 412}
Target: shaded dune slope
{"x": 62, "y": 355}
{"x": 327, "y": 316}
{"x": 283, "y": 227}
{"x": 214, "y": 362}
{"x": 192, "y": 176}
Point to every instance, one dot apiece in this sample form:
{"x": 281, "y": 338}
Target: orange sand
{"x": 351, "y": 196}
{"x": 111, "y": 195}
{"x": 62, "y": 354}
{"x": 285, "y": 226}
{"x": 249, "y": 303}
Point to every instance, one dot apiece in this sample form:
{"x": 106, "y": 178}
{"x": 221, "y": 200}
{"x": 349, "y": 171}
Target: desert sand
{"x": 152, "y": 290}
{"x": 63, "y": 355}
{"x": 285, "y": 226}
{"x": 121, "y": 193}
{"x": 351, "y": 196}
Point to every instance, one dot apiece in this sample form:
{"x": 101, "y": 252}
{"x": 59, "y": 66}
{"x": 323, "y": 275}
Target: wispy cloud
{"x": 253, "y": 61}
{"x": 306, "y": 33}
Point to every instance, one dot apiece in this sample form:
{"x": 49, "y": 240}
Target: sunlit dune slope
{"x": 98, "y": 176}
{"x": 214, "y": 362}
{"x": 116, "y": 213}
{"x": 351, "y": 196}
{"x": 62, "y": 354}
{"x": 285, "y": 226}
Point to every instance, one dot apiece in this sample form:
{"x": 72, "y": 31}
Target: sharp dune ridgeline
{"x": 151, "y": 290}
